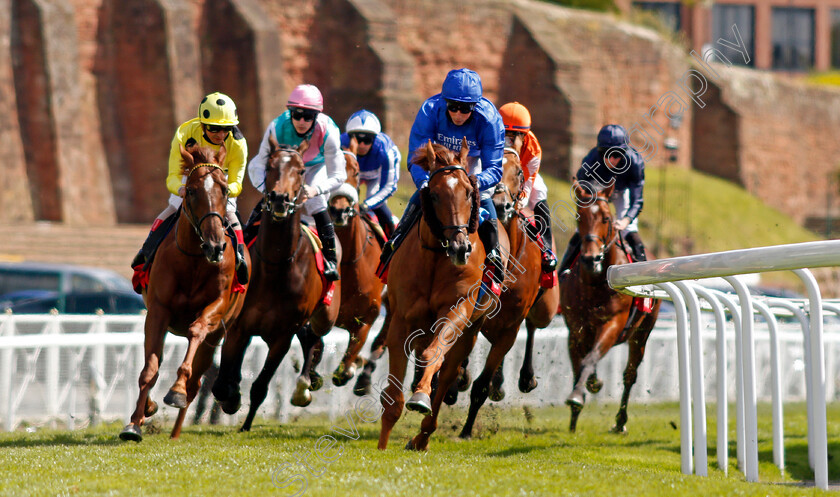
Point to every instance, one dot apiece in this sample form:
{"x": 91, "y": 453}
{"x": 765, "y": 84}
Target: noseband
{"x": 196, "y": 225}
{"x": 291, "y": 206}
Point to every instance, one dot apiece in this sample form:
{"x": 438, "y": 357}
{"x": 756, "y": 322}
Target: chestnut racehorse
{"x": 434, "y": 281}
{"x": 286, "y": 289}
{"x": 189, "y": 291}
{"x": 521, "y": 295}
{"x": 361, "y": 289}
{"x": 595, "y": 314}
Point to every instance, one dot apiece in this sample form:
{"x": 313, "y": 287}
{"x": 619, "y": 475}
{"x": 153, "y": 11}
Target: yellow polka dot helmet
{"x": 219, "y": 109}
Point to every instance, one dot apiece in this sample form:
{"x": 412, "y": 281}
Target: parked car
{"x": 31, "y": 287}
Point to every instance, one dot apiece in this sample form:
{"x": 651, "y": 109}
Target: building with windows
{"x": 781, "y": 35}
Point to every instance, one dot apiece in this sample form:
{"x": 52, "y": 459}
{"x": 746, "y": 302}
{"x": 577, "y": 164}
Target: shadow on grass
{"x": 57, "y": 439}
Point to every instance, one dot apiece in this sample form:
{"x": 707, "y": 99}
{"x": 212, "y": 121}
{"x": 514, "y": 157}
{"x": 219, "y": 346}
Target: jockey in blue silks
{"x": 379, "y": 164}
{"x": 613, "y": 160}
{"x": 459, "y": 111}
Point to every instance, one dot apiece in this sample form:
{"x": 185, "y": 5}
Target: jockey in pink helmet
{"x": 323, "y": 160}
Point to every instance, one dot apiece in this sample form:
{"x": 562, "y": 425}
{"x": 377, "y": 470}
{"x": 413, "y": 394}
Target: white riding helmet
{"x": 363, "y": 121}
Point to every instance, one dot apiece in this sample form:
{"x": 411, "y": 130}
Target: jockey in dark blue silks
{"x": 614, "y": 160}
{"x": 379, "y": 164}
{"x": 459, "y": 111}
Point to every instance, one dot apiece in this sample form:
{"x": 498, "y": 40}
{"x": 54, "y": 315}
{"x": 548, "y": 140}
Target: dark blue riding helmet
{"x": 612, "y": 135}
{"x": 462, "y": 85}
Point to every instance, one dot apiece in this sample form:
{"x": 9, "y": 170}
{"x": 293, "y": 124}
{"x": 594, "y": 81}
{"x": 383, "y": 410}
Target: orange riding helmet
{"x": 516, "y": 117}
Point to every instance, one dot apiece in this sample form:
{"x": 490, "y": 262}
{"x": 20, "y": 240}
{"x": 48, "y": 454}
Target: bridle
{"x": 196, "y": 224}
{"x": 290, "y": 206}
{"x": 459, "y": 228}
{"x": 612, "y": 233}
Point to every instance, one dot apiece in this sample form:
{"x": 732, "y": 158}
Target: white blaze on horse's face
{"x": 208, "y": 182}
{"x": 451, "y": 182}
{"x": 593, "y": 209}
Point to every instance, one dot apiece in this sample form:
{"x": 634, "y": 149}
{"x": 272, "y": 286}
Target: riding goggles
{"x": 212, "y": 128}
{"x": 307, "y": 115}
{"x": 462, "y": 107}
{"x": 363, "y": 138}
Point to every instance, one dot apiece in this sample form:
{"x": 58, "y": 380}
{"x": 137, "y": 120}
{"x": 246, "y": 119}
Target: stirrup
{"x": 331, "y": 270}
{"x": 549, "y": 262}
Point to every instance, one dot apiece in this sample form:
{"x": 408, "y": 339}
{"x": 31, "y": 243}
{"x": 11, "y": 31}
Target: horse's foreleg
{"x": 155, "y": 329}
{"x": 347, "y": 368}
{"x": 481, "y": 386}
{"x": 177, "y": 395}
{"x": 259, "y": 389}
{"x": 392, "y": 397}
{"x": 447, "y": 377}
{"x": 203, "y": 360}
{"x": 605, "y": 340}
{"x": 226, "y": 386}
{"x": 309, "y": 343}
{"x": 636, "y": 344}
{"x": 527, "y": 382}
{"x": 377, "y": 348}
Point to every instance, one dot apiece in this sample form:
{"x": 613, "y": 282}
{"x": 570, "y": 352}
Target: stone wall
{"x": 99, "y": 86}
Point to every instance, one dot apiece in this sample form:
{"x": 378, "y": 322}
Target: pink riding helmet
{"x": 306, "y": 97}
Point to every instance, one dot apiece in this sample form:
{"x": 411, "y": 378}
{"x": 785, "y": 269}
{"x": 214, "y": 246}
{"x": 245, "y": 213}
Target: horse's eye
{"x": 302, "y": 171}
{"x": 225, "y": 191}
{"x": 434, "y": 197}
{"x": 189, "y": 192}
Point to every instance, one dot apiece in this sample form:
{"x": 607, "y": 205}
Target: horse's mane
{"x": 443, "y": 157}
{"x": 200, "y": 155}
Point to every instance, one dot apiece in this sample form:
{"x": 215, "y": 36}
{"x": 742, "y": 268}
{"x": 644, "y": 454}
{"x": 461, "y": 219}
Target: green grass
{"x": 509, "y": 456}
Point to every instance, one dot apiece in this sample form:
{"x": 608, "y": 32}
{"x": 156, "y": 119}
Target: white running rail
{"x": 672, "y": 279}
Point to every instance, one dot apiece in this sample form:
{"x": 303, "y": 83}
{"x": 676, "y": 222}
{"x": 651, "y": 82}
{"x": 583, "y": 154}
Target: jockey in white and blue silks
{"x": 459, "y": 111}
{"x": 379, "y": 164}
{"x": 323, "y": 161}
{"x": 614, "y": 161}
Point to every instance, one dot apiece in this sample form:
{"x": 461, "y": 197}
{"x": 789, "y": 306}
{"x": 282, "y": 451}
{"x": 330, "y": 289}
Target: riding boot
{"x": 549, "y": 260}
{"x": 488, "y": 232}
{"x": 250, "y": 229}
{"x": 155, "y": 236}
{"x": 326, "y": 232}
{"x": 572, "y": 251}
{"x": 636, "y": 246}
{"x": 241, "y": 263}
{"x": 410, "y": 216}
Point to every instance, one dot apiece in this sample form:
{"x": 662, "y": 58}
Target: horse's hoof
{"x": 464, "y": 381}
{"x": 594, "y": 385}
{"x": 131, "y": 433}
{"x": 302, "y": 397}
{"x": 175, "y": 399}
{"x": 465, "y": 436}
{"x": 575, "y": 400}
{"x": 362, "y": 387}
{"x": 151, "y": 409}
{"x": 451, "y": 397}
{"x": 316, "y": 381}
{"x": 232, "y": 405}
{"x": 527, "y": 384}
{"x": 419, "y": 402}
{"x": 343, "y": 375}
{"x": 618, "y": 431}
{"x": 496, "y": 394}
{"x": 411, "y": 445}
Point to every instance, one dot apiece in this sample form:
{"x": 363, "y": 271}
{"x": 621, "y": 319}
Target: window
{"x": 724, "y": 17}
{"x": 793, "y": 38}
{"x": 22, "y": 280}
{"x": 668, "y": 11}
{"x": 835, "y": 38}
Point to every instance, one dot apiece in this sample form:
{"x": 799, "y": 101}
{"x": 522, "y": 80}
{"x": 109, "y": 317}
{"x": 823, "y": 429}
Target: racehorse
{"x": 521, "y": 294}
{"x": 595, "y": 314}
{"x": 189, "y": 291}
{"x": 434, "y": 291}
{"x": 286, "y": 297}
{"x": 361, "y": 289}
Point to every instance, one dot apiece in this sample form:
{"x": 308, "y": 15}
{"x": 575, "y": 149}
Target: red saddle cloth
{"x": 643, "y": 304}
{"x": 328, "y": 286}
{"x": 140, "y": 280}
{"x": 547, "y": 279}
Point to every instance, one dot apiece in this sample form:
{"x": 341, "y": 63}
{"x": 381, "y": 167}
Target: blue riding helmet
{"x": 612, "y": 135}
{"x": 462, "y": 85}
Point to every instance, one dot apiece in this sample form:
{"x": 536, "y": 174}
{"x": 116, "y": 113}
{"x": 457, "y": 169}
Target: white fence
{"x": 74, "y": 371}
{"x": 670, "y": 278}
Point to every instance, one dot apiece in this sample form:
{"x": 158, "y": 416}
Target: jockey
{"x": 533, "y": 193}
{"x": 379, "y": 164}
{"x": 613, "y": 160}
{"x": 215, "y": 126}
{"x": 458, "y": 111}
{"x": 323, "y": 160}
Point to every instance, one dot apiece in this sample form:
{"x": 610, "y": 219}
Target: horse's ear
{"x": 220, "y": 155}
{"x": 465, "y": 151}
{"x": 272, "y": 142}
{"x": 580, "y": 192}
{"x": 608, "y": 191}
{"x": 303, "y": 147}
{"x": 188, "y": 158}
{"x": 354, "y": 145}
{"x": 430, "y": 155}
